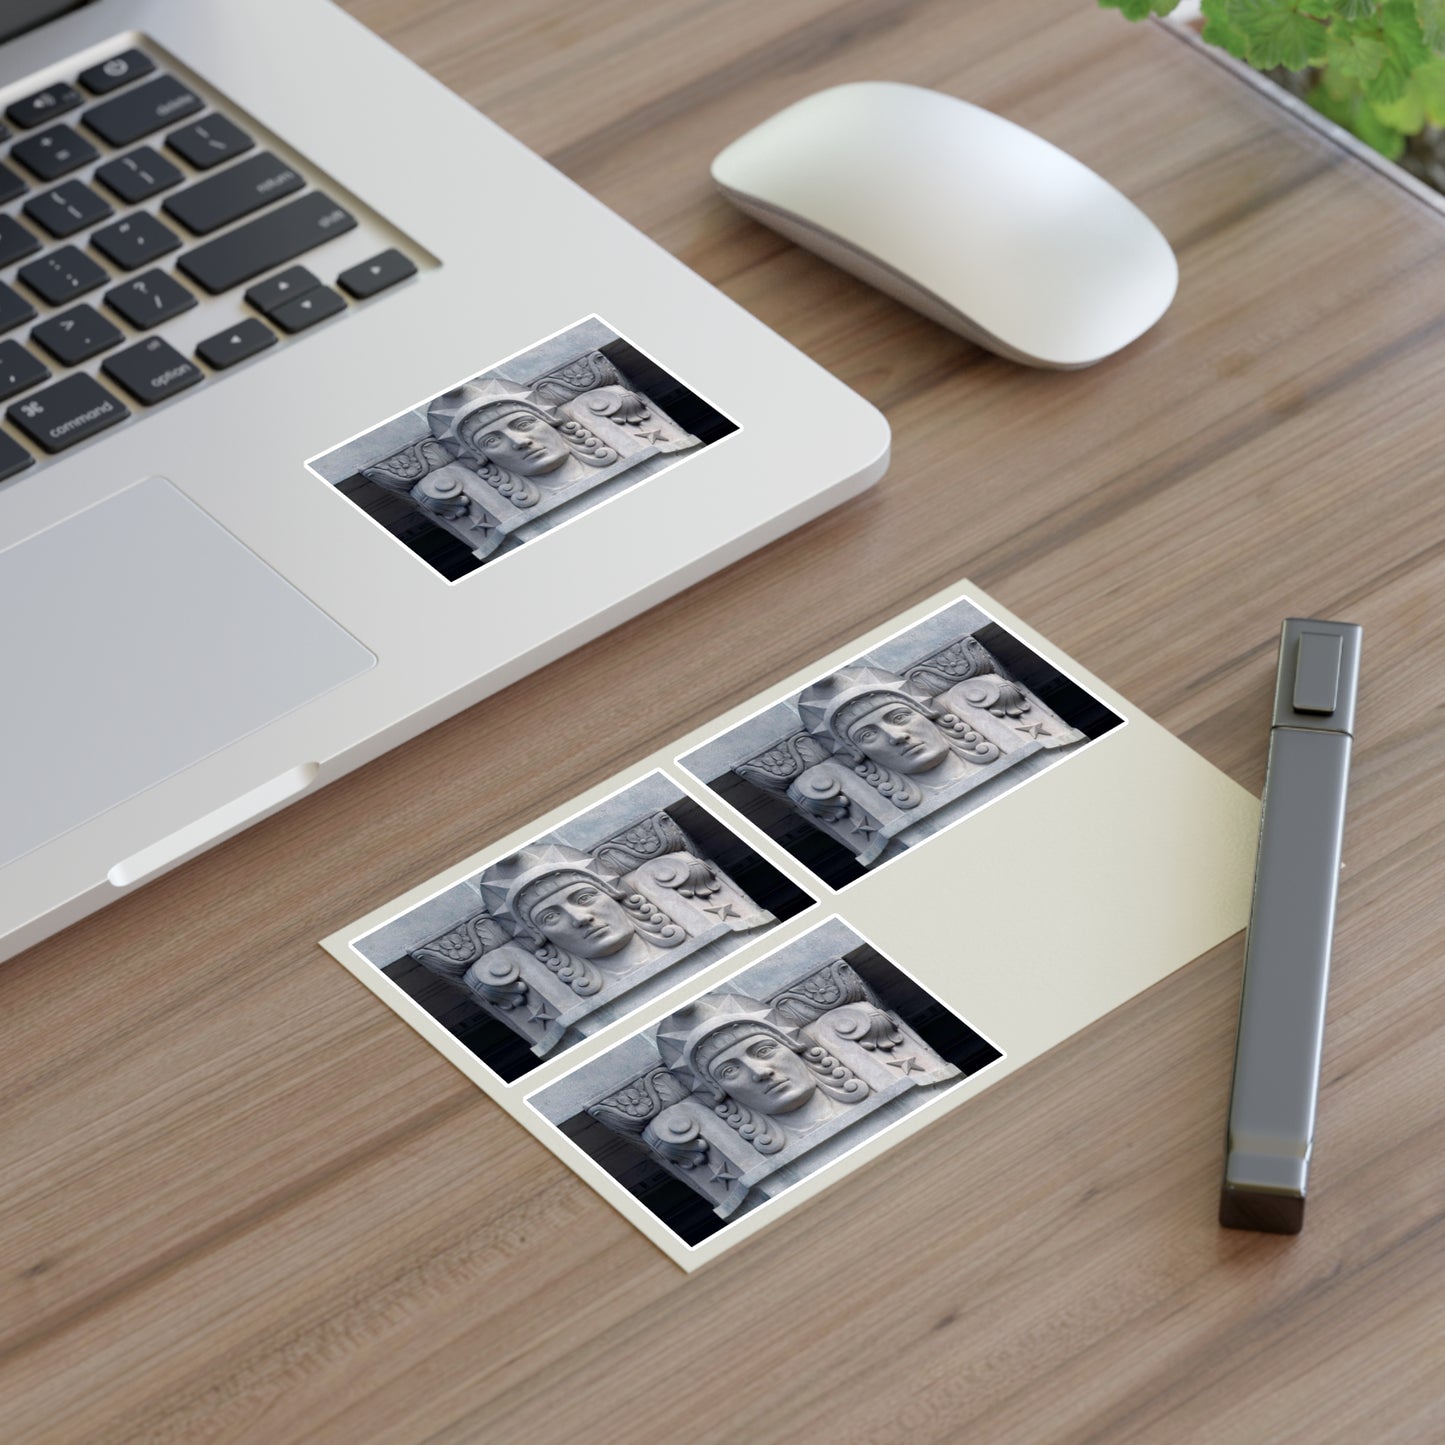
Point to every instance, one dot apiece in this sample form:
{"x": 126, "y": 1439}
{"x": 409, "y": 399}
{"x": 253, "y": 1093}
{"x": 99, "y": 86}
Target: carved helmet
{"x": 453, "y": 415}
{"x": 516, "y": 885}
{"x": 698, "y": 1032}
{"x": 830, "y": 706}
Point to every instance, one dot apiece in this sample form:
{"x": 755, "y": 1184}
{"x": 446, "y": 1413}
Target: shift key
{"x": 235, "y": 192}
{"x": 266, "y": 242}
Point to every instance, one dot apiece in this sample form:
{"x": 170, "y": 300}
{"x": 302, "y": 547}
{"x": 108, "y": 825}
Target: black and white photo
{"x": 761, "y": 1081}
{"x": 545, "y": 946}
{"x": 530, "y": 443}
{"x": 903, "y": 741}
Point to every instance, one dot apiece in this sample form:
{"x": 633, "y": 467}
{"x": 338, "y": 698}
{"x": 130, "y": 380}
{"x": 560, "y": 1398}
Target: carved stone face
{"x": 899, "y": 737}
{"x": 522, "y": 442}
{"x": 583, "y": 920}
{"x": 764, "y": 1075}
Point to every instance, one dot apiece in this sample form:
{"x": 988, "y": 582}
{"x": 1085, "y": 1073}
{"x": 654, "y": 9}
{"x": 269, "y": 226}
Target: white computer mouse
{"x": 972, "y": 220}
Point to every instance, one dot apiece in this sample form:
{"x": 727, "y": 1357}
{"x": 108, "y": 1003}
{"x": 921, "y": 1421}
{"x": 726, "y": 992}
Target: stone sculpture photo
{"x": 887, "y": 750}
{"x": 513, "y": 452}
{"x": 574, "y": 929}
{"x": 768, "y": 1077}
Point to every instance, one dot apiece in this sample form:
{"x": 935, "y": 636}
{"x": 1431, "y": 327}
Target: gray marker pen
{"x": 1291, "y": 924}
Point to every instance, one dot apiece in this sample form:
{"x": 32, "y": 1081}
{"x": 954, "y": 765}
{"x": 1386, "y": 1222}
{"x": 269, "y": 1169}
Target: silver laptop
{"x": 326, "y": 409}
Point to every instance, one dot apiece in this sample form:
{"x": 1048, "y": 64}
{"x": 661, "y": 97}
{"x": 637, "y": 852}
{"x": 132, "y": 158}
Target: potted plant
{"x": 1374, "y": 67}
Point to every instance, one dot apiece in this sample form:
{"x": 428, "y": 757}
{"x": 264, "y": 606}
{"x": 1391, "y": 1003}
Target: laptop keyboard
{"x": 128, "y": 201}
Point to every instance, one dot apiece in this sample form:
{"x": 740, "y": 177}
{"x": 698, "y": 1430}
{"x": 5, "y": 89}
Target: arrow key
{"x": 376, "y": 274}
{"x": 307, "y": 310}
{"x": 235, "y": 344}
{"x": 284, "y": 286}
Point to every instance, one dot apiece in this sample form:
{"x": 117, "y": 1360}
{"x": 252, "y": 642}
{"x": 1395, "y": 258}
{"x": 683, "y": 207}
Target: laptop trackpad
{"x": 136, "y": 639}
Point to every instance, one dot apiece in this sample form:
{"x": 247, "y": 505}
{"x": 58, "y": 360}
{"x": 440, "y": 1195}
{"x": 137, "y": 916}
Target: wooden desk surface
{"x": 243, "y": 1201}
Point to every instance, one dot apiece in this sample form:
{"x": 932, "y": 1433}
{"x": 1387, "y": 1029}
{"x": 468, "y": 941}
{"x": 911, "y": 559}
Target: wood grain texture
{"x": 243, "y": 1201}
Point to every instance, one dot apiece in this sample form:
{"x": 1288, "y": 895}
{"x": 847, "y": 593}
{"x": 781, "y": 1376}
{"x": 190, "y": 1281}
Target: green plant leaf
{"x": 1428, "y": 81}
{"x": 1339, "y": 86}
{"x": 1355, "y": 56}
{"x": 1377, "y": 134}
{"x": 1332, "y": 107}
{"x": 1275, "y": 33}
{"x": 1390, "y": 82}
{"x": 1358, "y": 118}
{"x": 1220, "y": 30}
{"x": 1357, "y": 9}
{"x": 1140, "y": 9}
{"x": 1406, "y": 115}
{"x": 1401, "y": 28}
{"x": 1431, "y": 17}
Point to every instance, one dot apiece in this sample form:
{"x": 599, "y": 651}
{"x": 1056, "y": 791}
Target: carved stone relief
{"x": 877, "y": 752}
{"x": 494, "y": 455}
{"x": 559, "y": 933}
{"x": 745, "y": 1088}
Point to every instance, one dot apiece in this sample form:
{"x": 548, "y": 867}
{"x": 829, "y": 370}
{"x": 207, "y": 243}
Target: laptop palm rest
{"x": 138, "y": 638}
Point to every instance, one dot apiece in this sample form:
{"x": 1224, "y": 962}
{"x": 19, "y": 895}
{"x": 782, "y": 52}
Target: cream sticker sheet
{"x": 723, "y": 979}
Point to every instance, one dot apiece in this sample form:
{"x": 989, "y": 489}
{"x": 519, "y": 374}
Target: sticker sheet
{"x": 761, "y": 957}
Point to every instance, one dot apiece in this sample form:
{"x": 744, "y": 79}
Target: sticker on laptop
{"x": 763, "y": 1080}
{"x": 525, "y": 957}
{"x": 898, "y": 744}
{"x": 533, "y": 442}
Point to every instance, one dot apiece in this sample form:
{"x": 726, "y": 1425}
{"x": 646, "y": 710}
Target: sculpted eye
{"x": 549, "y": 917}
{"x": 490, "y": 440}
{"x": 524, "y": 423}
{"x": 585, "y": 896}
{"x": 900, "y": 715}
{"x": 865, "y": 735}
{"x": 765, "y": 1051}
{"x": 727, "y": 1071}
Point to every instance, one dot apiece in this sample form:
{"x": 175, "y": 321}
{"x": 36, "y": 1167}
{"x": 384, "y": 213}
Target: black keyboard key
{"x": 10, "y": 185}
{"x": 152, "y": 370}
{"x": 266, "y": 242}
{"x": 74, "y": 408}
{"x": 54, "y": 152}
{"x": 119, "y": 70}
{"x": 138, "y": 176}
{"x": 150, "y": 299}
{"x": 135, "y": 241}
{"x": 236, "y": 343}
{"x": 140, "y": 111}
{"x": 13, "y": 457}
{"x": 285, "y": 286}
{"x": 19, "y": 369}
{"x": 70, "y": 207}
{"x": 307, "y": 310}
{"x": 235, "y": 192}
{"x": 44, "y": 105}
{"x": 77, "y": 335}
{"x": 14, "y": 308}
{"x": 206, "y": 143}
{"x": 376, "y": 274}
{"x": 62, "y": 275}
{"x": 15, "y": 241}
